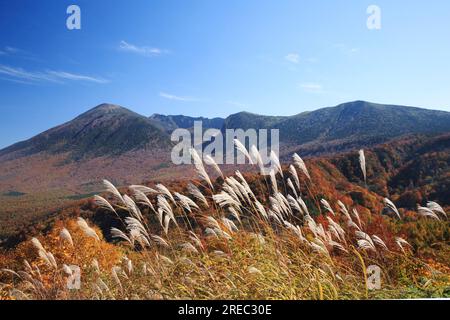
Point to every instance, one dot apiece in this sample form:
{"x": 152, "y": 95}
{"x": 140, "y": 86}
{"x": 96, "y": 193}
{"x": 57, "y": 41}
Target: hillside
{"x": 345, "y": 127}
{"x": 104, "y": 130}
{"x": 170, "y": 123}
{"x": 307, "y": 233}
{"x": 68, "y": 162}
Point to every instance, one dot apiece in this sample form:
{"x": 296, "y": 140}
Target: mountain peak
{"x": 106, "y": 129}
{"x": 107, "y": 107}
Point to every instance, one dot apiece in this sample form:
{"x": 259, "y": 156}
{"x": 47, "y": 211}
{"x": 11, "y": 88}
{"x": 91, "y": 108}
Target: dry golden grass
{"x": 227, "y": 242}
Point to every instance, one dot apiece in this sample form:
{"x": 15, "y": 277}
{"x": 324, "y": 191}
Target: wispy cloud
{"x": 32, "y": 77}
{"x": 311, "y": 87}
{"x": 293, "y": 58}
{"x": 76, "y": 77}
{"x": 18, "y": 53}
{"x": 141, "y": 50}
{"x": 170, "y": 96}
{"x": 10, "y": 50}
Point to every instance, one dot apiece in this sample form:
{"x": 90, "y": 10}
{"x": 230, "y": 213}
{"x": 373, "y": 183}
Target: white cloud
{"x": 174, "y": 97}
{"x": 19, "y": 74}
{"x": 142, "y": 50}
{"x": 76, "y": 77}
{"x": 19, "y": 53}
{"x": 311, "y": 87}
{"x": 12, "y": 50}
{"x": 293, "y": 58}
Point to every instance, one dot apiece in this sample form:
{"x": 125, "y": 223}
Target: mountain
{"x": 410, "y": 169}
{"x": 170, "y": 123}
{"x": 69, "y": 161}
{"x": 346, "y": 126}
{"x": 104, "y": 130}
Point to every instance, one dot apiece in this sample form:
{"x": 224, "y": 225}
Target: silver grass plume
{"x": 291, "y": 186}
{"x": 200, "y": 168}
{"x": 211, "y": 162}
{"x": 389, "y": 204}
{"x": 224, "y": 199}
{"x": 402, "y": 243}
{"x": 133, "y": 208}
{"x": 327, "y": 206}
{"x": 303, "y": 205}
{"x": 189, "y": 248}
{"x": 65, "y": 235}
{"x": 257, "y": 158}
{"x": 142, "y": 199}
{"x": 113, "y": 190}
{"x": 274, "y": 158}
{"x": 115, "y": 276}
{"x": 434, "y": 206}
{"x": 362, "y": 163}
{"x": 186, "y": 202}
{"x": 230, "y": 224}
{"x": 240, "y": 147}
{"x": 119, "y": 234}
{"x": 338, "y": 228}
{"x": 380, "y": 242}
{"x": 194, "y": 191}
{"x": 245, "y": 183}
{"x": 95, "y": 265}
{"x": 253, "y": 270}
{"x": 145, "y": 190}
{"x": 103, "y": 203}
{"x": 261, "y": 210}
{"x": 294, "y": 175}
{"x": 162, "y": 189}
{"x": 273, "y": 181}
{"x": 294, "y": 204}
{"x": 88, "y": 231}
{"x": 196, "y": 240}
{"x": 356, "y": 215}
{"x": 165, "y": 207}
{"x": 344, "y": 210}
{"x": 426, "y": 212}
{"x": 365, "y": 241}
{"x": 37, "y": 244}
{"x": 301, "y": 165}
{"x": 159, "y": 240}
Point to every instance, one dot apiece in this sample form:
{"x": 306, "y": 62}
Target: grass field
{"x": 281, "y": 236}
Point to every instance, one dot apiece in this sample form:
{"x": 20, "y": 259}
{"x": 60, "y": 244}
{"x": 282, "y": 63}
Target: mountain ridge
{"x": 112, "y": 130}
{"x": 358, "y": 120}
{"x": 111, "y": 142}
{"x": 106, "y": 129}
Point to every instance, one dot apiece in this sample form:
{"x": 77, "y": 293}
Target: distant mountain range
{"x": 104, "y": 130}
{"x": 170, "y": 123}
{"x": 111, "y": 130}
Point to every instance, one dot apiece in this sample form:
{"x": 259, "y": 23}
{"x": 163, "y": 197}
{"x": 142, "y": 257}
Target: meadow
{"x": 279, "y": 236}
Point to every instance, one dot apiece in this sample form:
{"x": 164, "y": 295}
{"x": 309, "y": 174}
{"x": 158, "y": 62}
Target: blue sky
{"x": 214, "y": 58}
